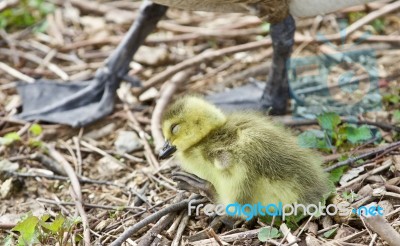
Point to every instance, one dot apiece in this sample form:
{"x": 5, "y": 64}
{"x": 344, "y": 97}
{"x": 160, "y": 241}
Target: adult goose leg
{"x": 275, "y": 94}
{"x": 78, "y": 103}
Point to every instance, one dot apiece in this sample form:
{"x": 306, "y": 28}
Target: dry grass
{"x": 123, "y": 190}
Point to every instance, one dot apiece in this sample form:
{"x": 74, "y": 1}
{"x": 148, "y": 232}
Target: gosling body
{"x": 244, "y": 155}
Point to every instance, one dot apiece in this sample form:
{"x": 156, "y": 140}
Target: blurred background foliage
{"x": 26, "y": 13}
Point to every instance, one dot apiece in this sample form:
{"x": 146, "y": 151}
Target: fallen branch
{"x": 360, "y": 178}
{"x": 307, "y": 122}
{"x": 151, "y": 158}
{"x": 81, "y": 179}
{"x": 379, "y": 225}
{"x": 288, "y": 235}
{"x": 365, "y": 20}
{"x": 208, "y": 55}
{"x": 148, "y": 238}
{"x": 341, "y": 241}
{"x": 172, "y": 229}
{"x": 7, "y": 226}
{"x": 89, "y": 205}
{"x": 6, "y": 4}
{"x": 352, "y": 160}
{"x": 228, "y": 238}
{"x": 156, "y": 216}
{"x": 179, "y": 232}
{"x": 15, "y": 73}
{"x": 373, "y": 239}
{"x": 38, "y": 60}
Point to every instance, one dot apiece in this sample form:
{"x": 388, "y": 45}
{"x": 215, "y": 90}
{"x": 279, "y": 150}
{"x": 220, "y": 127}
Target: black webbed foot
{"x": 240, "y": 98}
{"x": 82, "y": 102}
{"x": 192, "y": 183}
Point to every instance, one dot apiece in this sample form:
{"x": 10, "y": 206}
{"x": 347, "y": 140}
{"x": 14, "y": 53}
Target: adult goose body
{"x": 86, "y": 102}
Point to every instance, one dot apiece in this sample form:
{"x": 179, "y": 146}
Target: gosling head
{"x": 187, "y": 121}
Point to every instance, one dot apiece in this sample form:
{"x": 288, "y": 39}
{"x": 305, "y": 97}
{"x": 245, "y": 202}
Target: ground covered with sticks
{"x": 104, "y": 183}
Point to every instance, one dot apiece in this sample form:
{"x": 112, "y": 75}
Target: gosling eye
{"x": 175, "y": 128}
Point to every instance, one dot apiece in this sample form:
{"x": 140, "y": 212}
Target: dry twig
{"x": 383, "y": 229}
{"x": 360, "y": 178}
{"x": 352, "y": 160}
{"x": 181, "y": 228}
{"x": 170, "y": 209}
{"x": 76, "y": 192}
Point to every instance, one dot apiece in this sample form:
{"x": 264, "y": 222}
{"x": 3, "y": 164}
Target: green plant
{"x": 378, "y": 24}
{"x": 392, "y": 98}
{"x": 336, "y": 174}
{"x": 355, "y": 16}
{"x": 25, "y": 14}
{"x": 9, "y": 138}
{"x": 350, "y": 196}
{"x": 334, "y": 134}
{"x": 43, "y": 230}
{"x": 396, "y": 116}
{"x": 34, "y": 132}
{"x": 268, "y": 233}
{"x": 331, "y": 233}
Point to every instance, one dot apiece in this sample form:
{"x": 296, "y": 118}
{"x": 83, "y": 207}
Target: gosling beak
{"x": 166, "y": 151}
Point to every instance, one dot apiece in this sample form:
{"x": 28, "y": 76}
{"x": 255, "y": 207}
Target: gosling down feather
{"x": 244, "y": 155}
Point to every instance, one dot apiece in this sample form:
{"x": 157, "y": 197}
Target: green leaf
{"x": 330, "y": 233}
{"x": 307, "y": 139}
{"x": 329, "y": 121}
{"x": 343, "y": 157}
{"x": 268, "y": 233}
{"x": 313, "y": 139}
{"x": 56, "y": 225}
{"x": 292, "y": 221}
{"x": 35, "y": 129}
{"x": 396, "y": 116}
{"x": 26, "y": 13}
{"x": 354, "y": 16}
{"x": 35, "y": 143}
{"x": 336, "y": 174}
{"x": 45, "y": 217}
{"x": 310, "y": 138}
{"x": 378, "y": 25}
{"x": 349, "y": 196}
{"x": 10, "y": 138}
{"x": 391, "y": 98}
{"x": 27, "y": 229}
{"x": 357, "y": 134}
